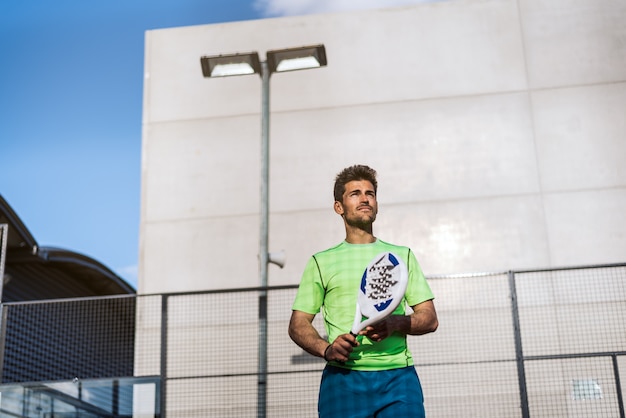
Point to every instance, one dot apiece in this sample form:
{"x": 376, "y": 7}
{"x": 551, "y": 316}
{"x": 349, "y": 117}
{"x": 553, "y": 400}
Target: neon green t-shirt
{"x": 330, "y": 284}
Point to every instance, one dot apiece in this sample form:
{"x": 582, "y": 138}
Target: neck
{"x": 359, "y": 236}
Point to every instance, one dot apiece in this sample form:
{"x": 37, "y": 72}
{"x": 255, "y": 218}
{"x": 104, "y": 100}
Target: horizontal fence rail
{"x": 540, "y": 343}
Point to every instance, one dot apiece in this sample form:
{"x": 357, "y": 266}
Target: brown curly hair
{"x": 352, "y": 173}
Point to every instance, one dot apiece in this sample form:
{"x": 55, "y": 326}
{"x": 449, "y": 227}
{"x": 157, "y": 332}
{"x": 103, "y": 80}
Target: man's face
{"x": 358, "y": 206}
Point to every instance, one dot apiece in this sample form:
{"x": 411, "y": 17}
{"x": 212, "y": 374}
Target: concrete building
{"x": 497, "y": 128}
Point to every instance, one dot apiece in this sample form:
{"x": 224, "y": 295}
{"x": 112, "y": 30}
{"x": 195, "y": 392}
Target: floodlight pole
{"x": 265, "y": 171}
{"x": 249, "y": 63}
{"x": 263, "y": 239}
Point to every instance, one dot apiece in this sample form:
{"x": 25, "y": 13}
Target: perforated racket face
{"x": 383, "y": 285}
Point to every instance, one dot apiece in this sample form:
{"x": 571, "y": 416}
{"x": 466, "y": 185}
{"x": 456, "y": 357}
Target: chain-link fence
{"x": 544, "y": 343}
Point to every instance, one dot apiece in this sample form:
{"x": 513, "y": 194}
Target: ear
{"x": 338, "y": 206}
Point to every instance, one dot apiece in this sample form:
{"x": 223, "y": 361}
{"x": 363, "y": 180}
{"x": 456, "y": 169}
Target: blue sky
{"x": 71, "y": 85}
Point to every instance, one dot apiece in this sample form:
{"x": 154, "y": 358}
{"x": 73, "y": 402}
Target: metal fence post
{"x": 618, "y": 386}
{"x": 4, "y": 236}
{"x": 262, "y": 366}
{"x": 519, "y": 355}
{"x": 3, "y": 336}
{"x": 164, "y": 299}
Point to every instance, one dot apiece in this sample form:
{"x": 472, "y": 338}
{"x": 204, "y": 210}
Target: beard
{"x": 361, "y": 221}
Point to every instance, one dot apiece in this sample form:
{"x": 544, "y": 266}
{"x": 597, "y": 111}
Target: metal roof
{"x": 37, "y": 273}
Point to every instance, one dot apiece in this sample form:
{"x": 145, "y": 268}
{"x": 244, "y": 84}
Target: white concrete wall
{"x": 497, "y": 128}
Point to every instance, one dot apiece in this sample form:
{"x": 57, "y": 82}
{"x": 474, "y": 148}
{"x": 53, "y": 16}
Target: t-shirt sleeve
{"x": 310, "y": 295}
{"x": 418, "y": 290}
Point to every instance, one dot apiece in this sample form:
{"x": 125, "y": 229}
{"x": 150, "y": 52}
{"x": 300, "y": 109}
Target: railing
{"x": 540, "y": 343}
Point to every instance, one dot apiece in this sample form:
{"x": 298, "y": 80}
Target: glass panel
{"x": 94, "y": 398}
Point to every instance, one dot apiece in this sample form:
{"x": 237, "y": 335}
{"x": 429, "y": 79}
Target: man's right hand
{"x": 341, "y": 348}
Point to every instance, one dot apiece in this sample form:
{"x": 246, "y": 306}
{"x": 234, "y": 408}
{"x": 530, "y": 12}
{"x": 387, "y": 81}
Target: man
{"x": 372, "y": 374}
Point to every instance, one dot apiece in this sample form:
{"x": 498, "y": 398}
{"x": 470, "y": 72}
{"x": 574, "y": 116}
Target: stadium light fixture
{"x": 293, "y": 59}
{"x": 230, "y": 64}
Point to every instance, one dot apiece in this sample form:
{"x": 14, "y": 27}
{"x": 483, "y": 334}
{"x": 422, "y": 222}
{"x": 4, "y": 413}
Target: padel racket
{"x": 382, "y": 288}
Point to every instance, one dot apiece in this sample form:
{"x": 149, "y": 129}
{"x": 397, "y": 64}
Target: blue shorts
{"x": 382, "y": 394}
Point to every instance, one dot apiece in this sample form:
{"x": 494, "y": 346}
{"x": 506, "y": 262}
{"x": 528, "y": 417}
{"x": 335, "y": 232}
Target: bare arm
{"x": 303, "y": 333}
{"x": 423, "y": 320}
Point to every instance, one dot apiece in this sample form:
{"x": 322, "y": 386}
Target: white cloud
{"x": 273, "y": 8}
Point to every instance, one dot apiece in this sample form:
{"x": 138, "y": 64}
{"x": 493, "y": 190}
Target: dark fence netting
{"x": 541, "y": 343}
